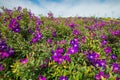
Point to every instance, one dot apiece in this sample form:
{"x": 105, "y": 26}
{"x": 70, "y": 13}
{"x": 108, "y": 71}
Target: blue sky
{"x": 66, "y": 8}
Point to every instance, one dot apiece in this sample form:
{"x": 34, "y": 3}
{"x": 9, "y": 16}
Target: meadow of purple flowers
{"x": 50, "y": 48}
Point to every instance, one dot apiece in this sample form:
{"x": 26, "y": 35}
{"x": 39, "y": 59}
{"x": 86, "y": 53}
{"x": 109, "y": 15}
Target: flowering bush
{"x": 49, "y": 48}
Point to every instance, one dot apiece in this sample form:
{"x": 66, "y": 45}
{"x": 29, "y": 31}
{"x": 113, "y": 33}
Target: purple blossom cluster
{"x": 37, "y": 35}
{"x": 97, "y": 25}
{"x": 107, "y": 49}
{"x": 38, "y": 22}
{"x": 94, "y": 58}
{"x": 100, "y": 63}
{"x": 74, "y": 46}
{"x": 5, "y": 51}
{"x": 115, "y": 32}
{"x": 59, "y": 54}
{"x": 14, "y": 25}
{"x": 115, "y": 68}
{"x": 101, "y": 74}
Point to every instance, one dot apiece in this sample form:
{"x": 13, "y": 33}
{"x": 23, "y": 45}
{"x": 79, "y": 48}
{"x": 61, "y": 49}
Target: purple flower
{"x": 100, "y": 63}
{"x": 103, "y": 36}
{"x": 115, "y": 67}
{"x": 24, "y": 61}
{"x": 4, "y": 54}
{"x": 38, "y": 36}
{"x": 67, "y": 58}
{"x": 57, "y": 59}
{"x": 107, "y": 76}
{"x": 49, "y": 41}
{"x": 60, "y": 60}
{"x": 103, "y": 42}
{"x": 14, "y": 25}
{"x": 38, "y": 22}
{"x": 118, "y": 32}
{"x": 76, "y": 32}
{"x": 63, "y": 78}
{"x": 93, "y": 56}
{"x": 72, "y": 50}
{"x": 5, "y": 51}
{"x": 75, "y": 46}
{"x": 113, "y": 56}
{"x": 42, "y": 78}
{"x": 17, "y": 30}
{"x": 108, "y": 50}
{"x": 52, "y": 51}
{"x": 1, "y": 67}
{"x": 34, "y": 40}
{"x": 3, "y": 46}
{"x": 54, "y": 34}
{"x": 74, "y": 41}
{"x": 72, "y": 25}
{"x": 47, "y": 27}
{"x": 56, "y": 55}
{"x": 19, "y": 17}
{"x": 29, "y": 31}
{"x": 59, "y": 50}
{"x": 99, "y": 75}
{"x": 10, "y": 51}
{"x": 30, "y": 14}
{"x": 113, "y": 33}
{"x": 19, "y": 8}
{"x": 42, "y": 66}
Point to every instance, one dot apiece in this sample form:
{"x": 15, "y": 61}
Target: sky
{"x": 67, "y": 8}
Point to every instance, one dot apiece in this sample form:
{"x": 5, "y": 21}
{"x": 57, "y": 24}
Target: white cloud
{"x": 24, "y": 4}
{"x": 99, "y": 8}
